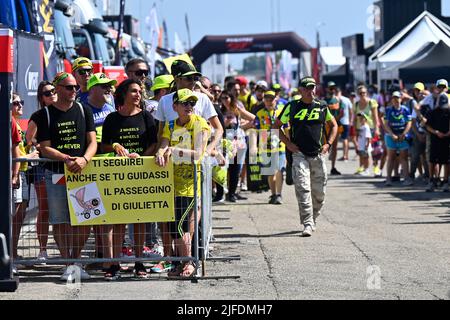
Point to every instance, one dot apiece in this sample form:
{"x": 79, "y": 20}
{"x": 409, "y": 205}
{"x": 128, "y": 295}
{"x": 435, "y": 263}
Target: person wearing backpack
{"x": 66, "y": 133}
{"x": 307, "y": 118}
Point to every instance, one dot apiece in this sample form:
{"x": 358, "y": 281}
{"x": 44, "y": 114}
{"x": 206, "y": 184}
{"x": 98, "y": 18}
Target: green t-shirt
{"x": 307, "y": 124}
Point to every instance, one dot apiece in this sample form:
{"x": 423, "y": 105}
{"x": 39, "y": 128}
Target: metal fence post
{"x": 7, "y": 282}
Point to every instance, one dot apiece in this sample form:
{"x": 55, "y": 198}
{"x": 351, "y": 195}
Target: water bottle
{"x": 33, "y": 163}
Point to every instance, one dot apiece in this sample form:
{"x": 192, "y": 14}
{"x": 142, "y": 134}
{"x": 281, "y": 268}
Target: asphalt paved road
{"x": 371, "y": 243}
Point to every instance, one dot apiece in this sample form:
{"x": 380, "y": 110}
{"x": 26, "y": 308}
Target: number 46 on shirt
{"x": 314, "y": 115}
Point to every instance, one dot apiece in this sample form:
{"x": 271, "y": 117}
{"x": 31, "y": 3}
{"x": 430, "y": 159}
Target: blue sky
{"x": 337, "y": 18}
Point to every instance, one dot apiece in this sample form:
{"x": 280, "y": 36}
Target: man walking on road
{"x": 308, "y": 118}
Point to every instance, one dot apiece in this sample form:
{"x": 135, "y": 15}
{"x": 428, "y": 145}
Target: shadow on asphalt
{"x": 51, "y": 277}
{"x": 243, "y": 235}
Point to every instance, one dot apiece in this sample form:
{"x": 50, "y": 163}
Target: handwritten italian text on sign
{"x": 121, "y": 191}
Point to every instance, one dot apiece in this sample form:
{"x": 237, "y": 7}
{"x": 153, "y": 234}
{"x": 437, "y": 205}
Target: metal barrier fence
{"x": 207, "y": 217}
{"x": 44, "y": 242}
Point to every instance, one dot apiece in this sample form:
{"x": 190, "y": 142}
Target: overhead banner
{"x": 44, "y": 26}
{"x": 121, "y": 191}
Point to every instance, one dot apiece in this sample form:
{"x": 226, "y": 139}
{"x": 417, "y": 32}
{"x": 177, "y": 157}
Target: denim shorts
{"x": 395, "y": 145}
{"x": 345, "y": 132}
{"x": 58, "y": 208}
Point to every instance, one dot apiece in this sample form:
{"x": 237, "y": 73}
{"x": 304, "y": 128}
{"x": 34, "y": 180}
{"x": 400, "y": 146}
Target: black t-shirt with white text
{"x": 135, "y": 133}
{"x": 67, "y": 131}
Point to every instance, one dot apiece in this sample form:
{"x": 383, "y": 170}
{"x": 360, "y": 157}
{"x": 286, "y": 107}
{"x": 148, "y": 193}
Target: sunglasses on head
{"x": 49, "y": 93}
{"x": 140, "y": 73}
{"x": 18, "y": 103}
{"x": 71, "y": 87}
{"x": 83, "y": 72}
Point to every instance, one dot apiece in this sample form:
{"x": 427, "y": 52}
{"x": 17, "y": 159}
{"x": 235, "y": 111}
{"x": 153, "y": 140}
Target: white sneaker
{"x": 365, "y": 173}
{"x": 42, "y": 257}
{"x": 84, "y": 275}
{"x": 314, "y": 228}
{"x": 69, "y": 274}
{"x": 15, "y": 271}
{"x": 244, "y": 186}
{"x": 307, "y": 232}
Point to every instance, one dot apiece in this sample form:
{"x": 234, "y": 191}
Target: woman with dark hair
{"x": 46, "y": 96}
{"x": 116, "y": 138}
{"x": 233, "y": 113}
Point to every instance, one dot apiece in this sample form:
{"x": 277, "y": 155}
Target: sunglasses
{"x": 71, "y": 87}
{"x": 216, "y": 91}
{"x": 191, "y": 78}
{"x": 104, "y": 86}
{"x": 18, "y": 103}
{"x": 225, "y": 98}
{"x": 49, "y": 93}
{"x": 83, "y": 72}
{"x": 188, "y": 103}
{"x": 140, "y": 73}
{"x": 362, "y": 92}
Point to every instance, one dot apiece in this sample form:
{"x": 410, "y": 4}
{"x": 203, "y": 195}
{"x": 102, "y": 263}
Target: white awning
{"x": 332, "y": 56}
{"x": 424, "y": 32}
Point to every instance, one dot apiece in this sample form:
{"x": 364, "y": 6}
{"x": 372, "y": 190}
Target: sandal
{"x": 112, "y": 273}
{"x": 140, "y": 271}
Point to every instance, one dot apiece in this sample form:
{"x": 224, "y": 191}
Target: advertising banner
{"x": 121, "y": 191}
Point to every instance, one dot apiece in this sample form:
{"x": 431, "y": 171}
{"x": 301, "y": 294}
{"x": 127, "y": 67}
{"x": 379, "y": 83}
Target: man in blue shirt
{"x": 99, "y": 100}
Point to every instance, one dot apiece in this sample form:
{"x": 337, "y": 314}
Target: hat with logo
{"x": 419, "y": 86}
{"x": 184, "y": 95}
{"x": 307, "y": 82}
{"x": 443, "y": 100}
{"x": 100, "y": 78}
{"x": 442, "y": 83}
{"x": 82, "y": 62}
{"x": 270, "y": 94}
{"x": 162, "y": 82}
{"x": 181, "y": 68}
{"x": 397, "y": 94}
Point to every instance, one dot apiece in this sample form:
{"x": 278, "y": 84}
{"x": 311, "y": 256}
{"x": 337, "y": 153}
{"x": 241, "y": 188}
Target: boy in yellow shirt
{"x": 184, "y": 140}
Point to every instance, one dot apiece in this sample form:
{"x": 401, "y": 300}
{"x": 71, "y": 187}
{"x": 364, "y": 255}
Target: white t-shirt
{"x": 151, "y": 106}
{"x": 429, "y": 100}
{"x": 203, "y": 108}
{"x": 347, "y": 106}
{"x": 364, "y": 134}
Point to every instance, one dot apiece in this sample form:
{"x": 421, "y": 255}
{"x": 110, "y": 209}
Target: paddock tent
{"x": 422, "y": 44}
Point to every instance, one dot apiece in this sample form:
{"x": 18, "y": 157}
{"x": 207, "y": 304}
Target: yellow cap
{"x": 184, "y": 95}
{"x": 419, "y": 86}
{"x": 100, "y": 78}
{"x": 81, "y": 62}
{"x": 162, "y": 82}
{"x": 269, "y": 94}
